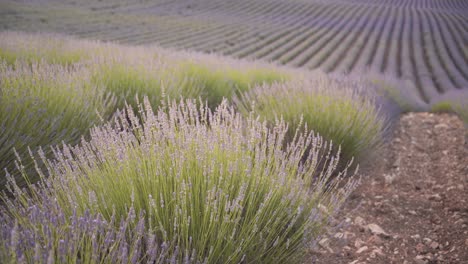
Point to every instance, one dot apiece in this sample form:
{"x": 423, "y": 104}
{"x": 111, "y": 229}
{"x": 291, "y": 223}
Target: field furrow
{"x": 422, "y": 41}
{"x": 363, "y": 62}
{"x": 457, "y": 44}
{"x": 310, "y": 56}
{"x": 321, "y": 25}
{"x": 407, "y": 66}
{"x": 421, "y": 62}
{"x": 382, "y": 43}
{"x": 285, "y": 37}
{"x": 445, "y": 56}
{"x": 341, "y": 51}
{"x": 390, "y": 64}
{"x": 276, "y": 34}
{"x": 296, "y": 38}
{"x": 442, "y": 80}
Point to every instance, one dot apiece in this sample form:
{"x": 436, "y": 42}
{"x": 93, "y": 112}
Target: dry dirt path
{"x": 412, "y": 208}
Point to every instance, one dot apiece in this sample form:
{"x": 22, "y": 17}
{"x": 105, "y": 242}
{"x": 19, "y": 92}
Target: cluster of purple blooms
{"x": 183, "y": 185}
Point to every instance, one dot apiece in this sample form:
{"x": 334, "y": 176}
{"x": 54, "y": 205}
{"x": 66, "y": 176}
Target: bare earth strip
{"x": 412, "y": 208}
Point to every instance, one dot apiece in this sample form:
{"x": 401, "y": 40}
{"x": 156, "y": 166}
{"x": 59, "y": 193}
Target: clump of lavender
{"x": 213, "y": 187}
{"x": 35, "y": 229}
{"x": 339, "y": 109}
{"x": 48, "y": 47}
{"x": 130, "y": 71}
{"x": 43, "y": 104}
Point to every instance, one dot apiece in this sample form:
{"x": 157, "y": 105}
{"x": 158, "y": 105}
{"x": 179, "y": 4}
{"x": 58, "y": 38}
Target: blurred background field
{"x": 420, "y": 42}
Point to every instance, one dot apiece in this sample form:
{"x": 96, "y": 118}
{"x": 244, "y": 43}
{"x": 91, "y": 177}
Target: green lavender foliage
{"x": 43, "y": 105}
{"x": 35, "y": 229}
{"x": 336, "y": 108}
{"x": 32, "y": 48}
{"x": 214, "y": 185}
{"x": 54, "y": 88}
{"x": 135, "y": 72}
{"x": 452, "y": 102}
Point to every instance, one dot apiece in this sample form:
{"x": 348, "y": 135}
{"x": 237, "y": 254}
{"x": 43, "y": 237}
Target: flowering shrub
{"x": 212, "y": 187}
{"x": 49, "y": 48}
{"x": 33, "y": 232}
{"x": 43, "y": 104}
{"x": 217, "y": 82}
{"x": 52, "y": 87}
{"x": 335, "y": 108}
{"x": 142, "y": 70}
{"x": 455, "y": 101}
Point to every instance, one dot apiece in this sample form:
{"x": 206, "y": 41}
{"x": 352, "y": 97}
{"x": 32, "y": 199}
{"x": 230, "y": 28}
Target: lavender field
{"x": 206, "y": 131}
{"x": 423, "y": 42}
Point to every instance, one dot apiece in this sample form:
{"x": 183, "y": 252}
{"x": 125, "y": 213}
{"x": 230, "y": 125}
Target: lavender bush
{"x": 49, "y": 48}
{"x": 53, "y": 86}
{"x": 37, "y": 230}
{"x": 43, "y": 104}
{"x": 455, "y": 101}
{"x": 142, "y": 70}
{"x": 212, "y": 187}
{"x": 339, "y": 109}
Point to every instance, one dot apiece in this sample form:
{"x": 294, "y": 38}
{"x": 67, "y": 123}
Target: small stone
{"x": 358, "y": 243}
{"x": 435, "y": 197}
{"x": 362, "y": 249}
{"x": 412, "y": 212}
{"x": 359, "y": 221}
{"x": 389, "y": 178}
{"x": 325, "y": 244}
{"x": 354, "y": 262}
{"x": 338, "y": 235}
{"x": 378, "y": 252}
{"x": 441, "y": 126}
{"x": 348, "y": 235}
{"x": 377, "y": 230}
{"x": 419, "y": 259}
{"x": 427, "y": 241}
{"x": 434, "y": 245}
{"x": 416, "y": 237}
{"x": 421, "y": 248}
{"x": 375, "y": 240}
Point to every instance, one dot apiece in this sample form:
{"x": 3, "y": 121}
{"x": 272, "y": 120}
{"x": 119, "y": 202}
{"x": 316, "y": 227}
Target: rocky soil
{"x": 413, "y": 206}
